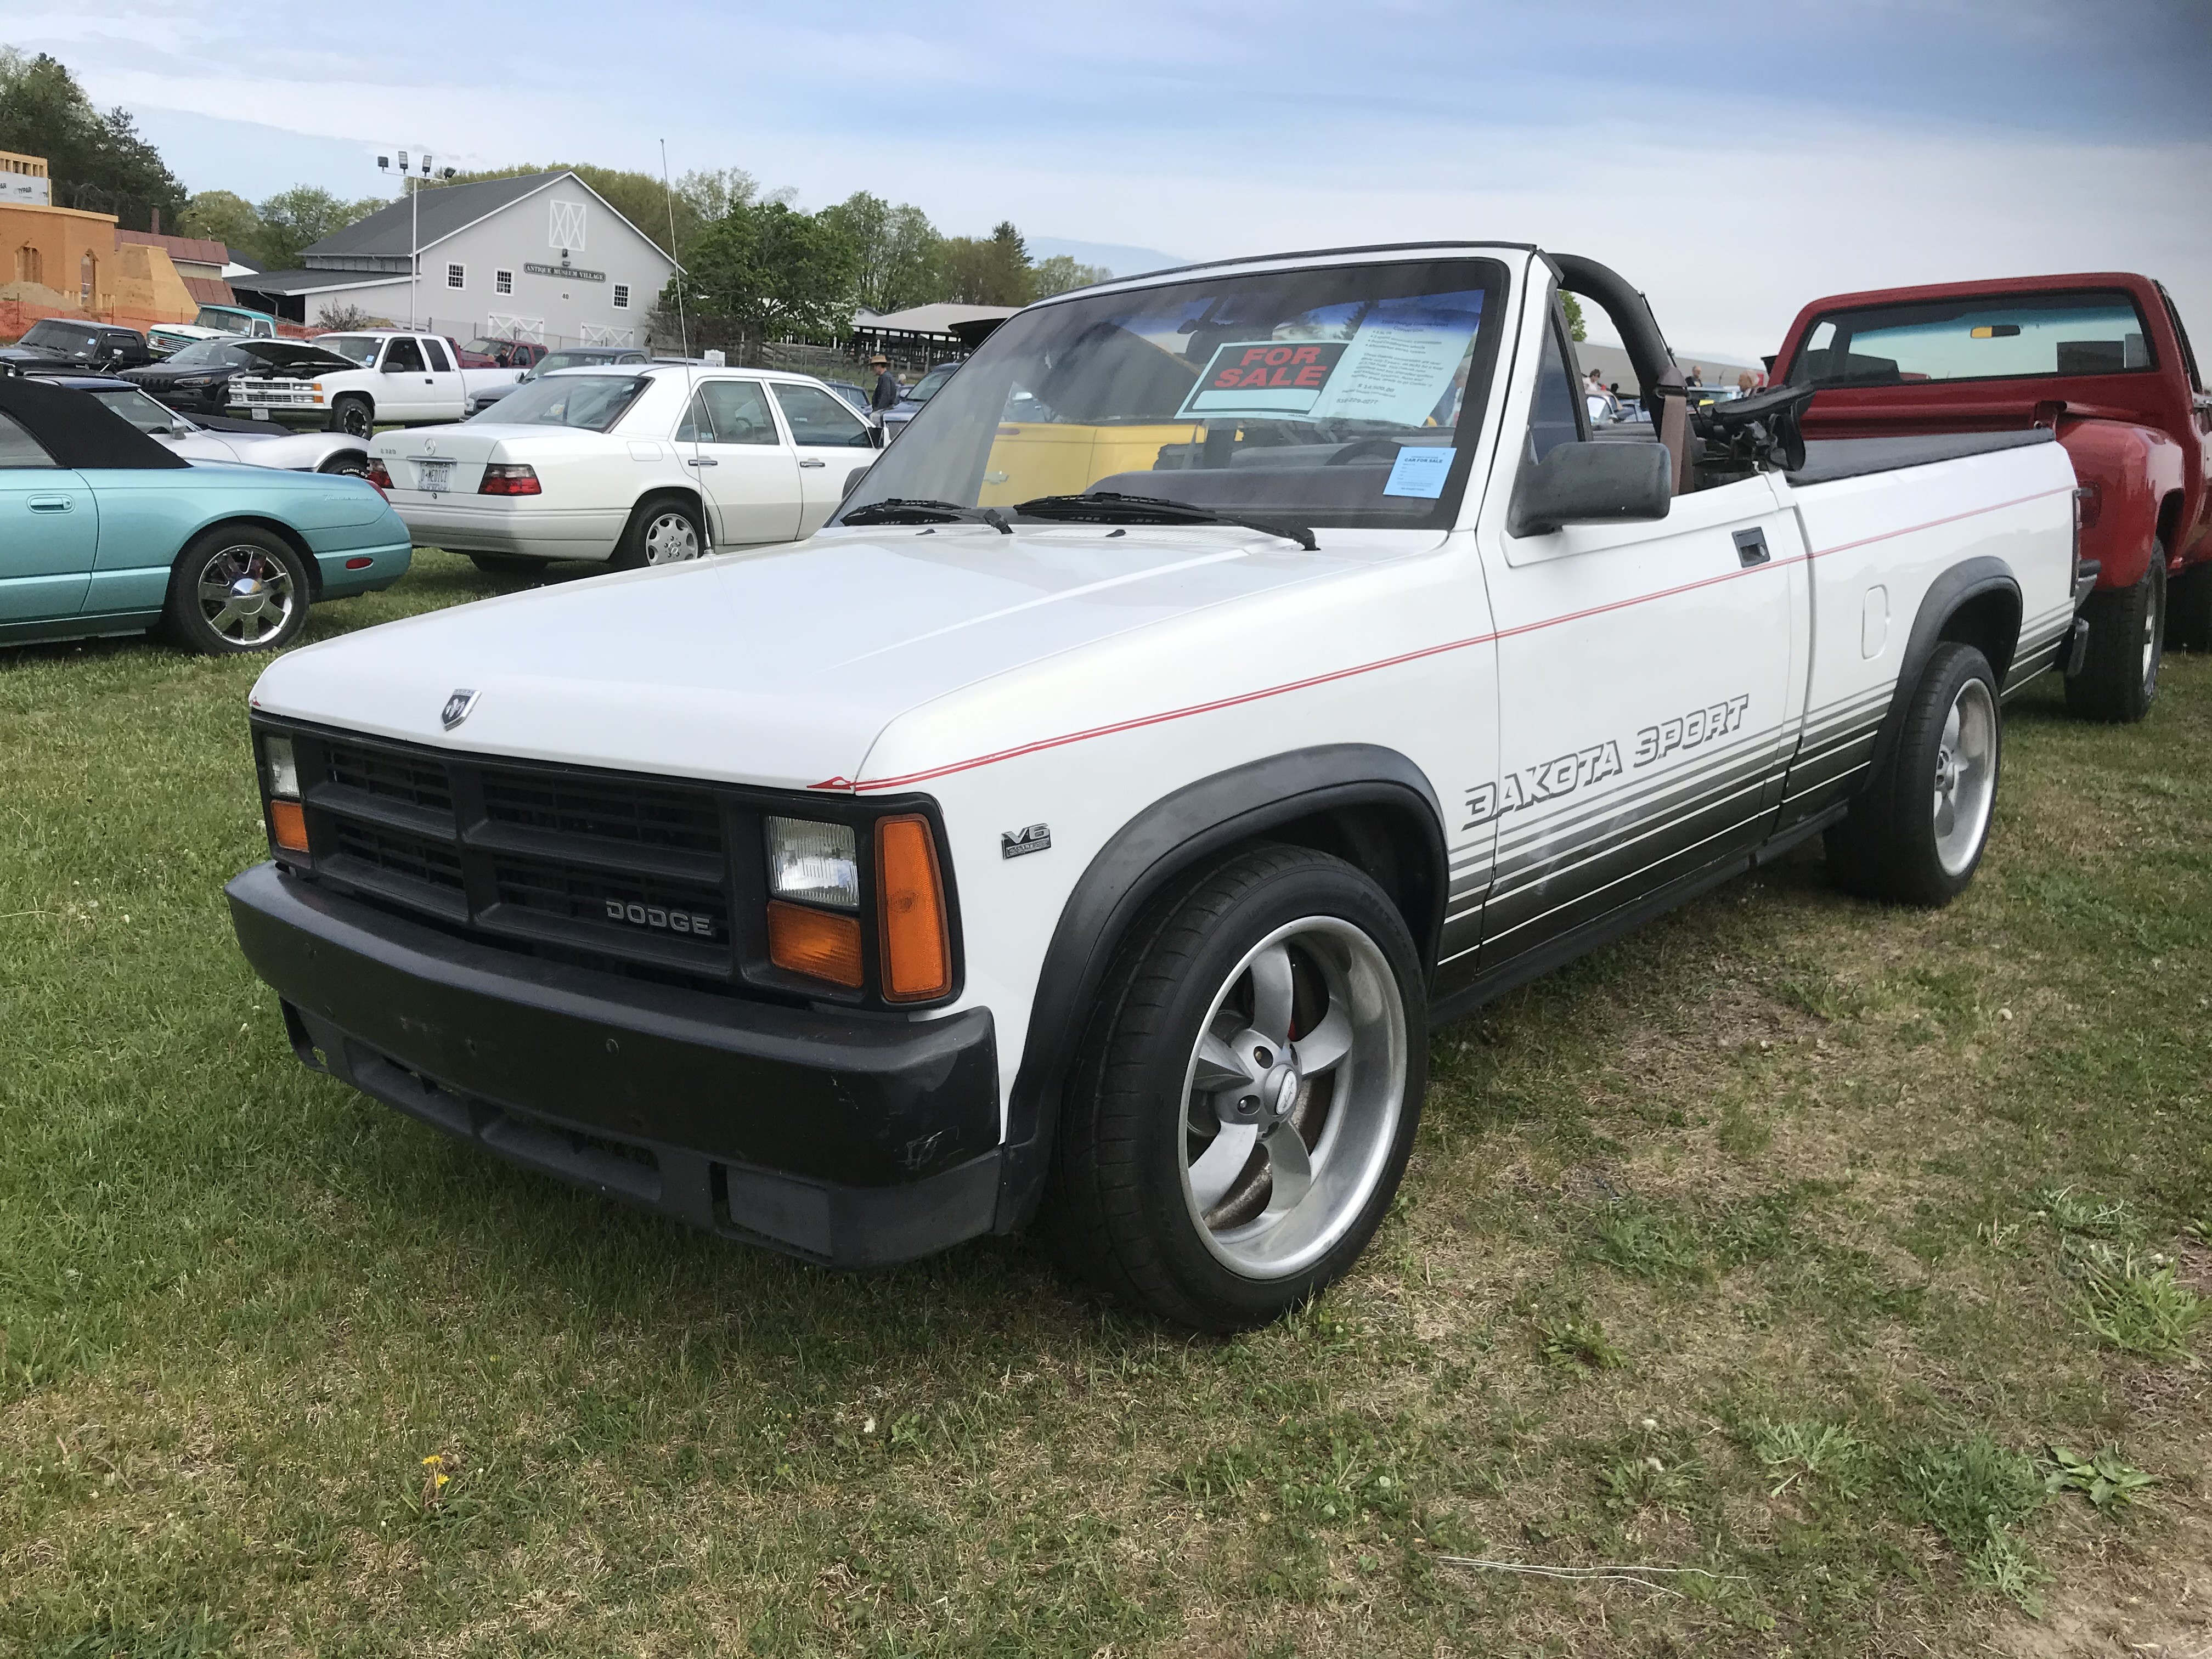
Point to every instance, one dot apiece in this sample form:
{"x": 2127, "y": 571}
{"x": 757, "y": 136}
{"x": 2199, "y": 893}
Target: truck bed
{"x": 1827, "y": 459}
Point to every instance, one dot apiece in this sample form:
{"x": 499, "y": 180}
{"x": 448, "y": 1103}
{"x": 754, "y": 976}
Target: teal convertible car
{"x": 104, "y": 530}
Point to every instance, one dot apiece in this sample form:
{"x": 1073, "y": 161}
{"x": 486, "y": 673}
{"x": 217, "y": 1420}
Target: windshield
{"x": 224, "y": 317}
{"x": 360, "y": 348}
{"x": 141, "y": 411}
{"x": 71, "y": 340}
{"x": 594, "y": 402}
{"x": 925, "y": 387}
{"x": 2002, "y": 337}
{"x": 553, "y": 360}
{"x": 210, "y": 354}
{"x": 1317, "y": 396}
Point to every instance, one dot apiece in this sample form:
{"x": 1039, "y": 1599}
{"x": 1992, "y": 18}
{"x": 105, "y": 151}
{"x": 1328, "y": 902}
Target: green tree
{"x": 1577, "y": 331}
{"x": 1062, "y": 272}
{"x": 898, "y": 250}
{"x": 99, "y": 162}
{"x": 992, "y": 270}
{"x": 293, "y": 220}
{"x": 220, "y": 216}
{"x": 770, "y": 271}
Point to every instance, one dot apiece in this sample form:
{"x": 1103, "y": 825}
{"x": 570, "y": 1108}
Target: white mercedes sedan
{"x": 629, "y": 465}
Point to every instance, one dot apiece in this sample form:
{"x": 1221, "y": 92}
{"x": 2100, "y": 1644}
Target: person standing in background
{"x": 888, "y": 390}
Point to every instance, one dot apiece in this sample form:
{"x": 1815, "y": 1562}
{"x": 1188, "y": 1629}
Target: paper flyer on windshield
{"x": 1397, "y": 369}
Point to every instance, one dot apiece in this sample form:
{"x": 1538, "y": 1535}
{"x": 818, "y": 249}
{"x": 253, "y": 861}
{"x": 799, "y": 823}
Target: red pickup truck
{"x": 2102, "y": 358}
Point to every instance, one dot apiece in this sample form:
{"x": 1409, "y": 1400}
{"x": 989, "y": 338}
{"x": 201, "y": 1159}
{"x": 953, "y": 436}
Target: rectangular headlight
{"x": 279, "y": 771}
{"x": 816, "y": 863}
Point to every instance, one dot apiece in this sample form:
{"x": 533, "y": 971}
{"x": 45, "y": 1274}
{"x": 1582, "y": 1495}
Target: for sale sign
{"x": 1265, "y": 377}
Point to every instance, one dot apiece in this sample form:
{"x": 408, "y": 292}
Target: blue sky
{"x": 1734, "y": 158}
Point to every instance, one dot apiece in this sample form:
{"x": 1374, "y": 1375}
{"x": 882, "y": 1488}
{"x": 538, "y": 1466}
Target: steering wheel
{"x": 1363, "y": 449}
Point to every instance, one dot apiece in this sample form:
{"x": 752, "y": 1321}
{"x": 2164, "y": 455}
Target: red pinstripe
{"x": 1218, "y": 703}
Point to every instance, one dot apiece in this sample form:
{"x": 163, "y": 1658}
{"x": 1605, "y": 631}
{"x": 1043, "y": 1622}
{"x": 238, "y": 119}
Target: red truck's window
{"x": 2002, "y": 337}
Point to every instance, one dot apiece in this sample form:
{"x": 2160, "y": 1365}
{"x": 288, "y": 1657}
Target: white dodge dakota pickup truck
{"x": 1232, "y": 673}
{"x": 404, "y": 380}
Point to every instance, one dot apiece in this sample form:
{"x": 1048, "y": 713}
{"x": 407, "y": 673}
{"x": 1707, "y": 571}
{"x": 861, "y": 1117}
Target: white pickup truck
{"x": 404, "y": 380}
{"x": 1231, "y": 675}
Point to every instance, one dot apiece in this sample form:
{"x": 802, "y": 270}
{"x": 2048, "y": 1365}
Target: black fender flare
{"x": 1965, "y": 582}
{"x": 1148, "y": 852}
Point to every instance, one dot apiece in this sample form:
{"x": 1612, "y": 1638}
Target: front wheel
{"x": 1244, "y": 1103}
{"x": 234, "y": 591}
{"x": 666, "y": 529}
{"x": 2127, "y": 628}
{"x": 1917, "y": 834}
{"x": 355, "y": 416}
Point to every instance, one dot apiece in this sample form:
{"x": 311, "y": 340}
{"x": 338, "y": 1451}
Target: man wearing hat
{"x": 888, "y": 390}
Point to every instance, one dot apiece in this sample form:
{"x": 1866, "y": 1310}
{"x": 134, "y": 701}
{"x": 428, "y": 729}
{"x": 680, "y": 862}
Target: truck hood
{"x": 777, "y": 667}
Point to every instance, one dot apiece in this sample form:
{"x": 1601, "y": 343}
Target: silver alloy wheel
{"x": 670, "y": 537}
{"x": 1292, "y": 1098}
{"x": 2153, "y": 627}
{"x": 246, "y": 594}
{"x": 1965, "y": 783}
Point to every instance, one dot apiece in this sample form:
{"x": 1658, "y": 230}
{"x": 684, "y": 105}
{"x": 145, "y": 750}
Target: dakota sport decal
{"x": 1579, "y": 768}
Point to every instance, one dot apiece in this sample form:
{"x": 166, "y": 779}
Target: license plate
{"x": 259, "y": 413}
{"x": 434, "y": 477}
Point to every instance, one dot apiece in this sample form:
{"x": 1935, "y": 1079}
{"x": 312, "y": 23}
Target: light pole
{"x": 413, "y": 223}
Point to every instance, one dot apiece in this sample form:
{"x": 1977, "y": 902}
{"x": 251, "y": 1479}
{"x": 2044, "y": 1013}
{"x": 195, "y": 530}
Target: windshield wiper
{"x": 907, "y": 509}
{"x": 1112, "y": 506}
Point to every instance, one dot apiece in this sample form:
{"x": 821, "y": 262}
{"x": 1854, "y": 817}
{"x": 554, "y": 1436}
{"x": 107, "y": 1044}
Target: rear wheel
{"x": 2119, "y": 670}
{"x": 1917, "y": 834}
{"x": 353, "y": 415}
{"x": 1245, "y": 1100}
{"x": 665, "y": 530}
{"x": 237, "y": 590}
{"x": 2189, "y": 610}
{"x": 353, "y": 463}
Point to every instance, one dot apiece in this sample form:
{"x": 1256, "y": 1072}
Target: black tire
{"x": 355, "y": 414}
{"x": 198, "y": 617}
{"x": 352, "y": 464}
{"x": 2119, "y": 679}
{"x": 506, "y": 564}
{"x": 642, "y": 538}
{"x": 2189, "y": 610}
{"x": 1119, "y": 1211}
{"x": 1892, "y": 846}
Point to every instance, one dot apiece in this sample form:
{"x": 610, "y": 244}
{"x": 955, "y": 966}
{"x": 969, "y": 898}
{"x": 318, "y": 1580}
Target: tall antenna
{"x": 683, "y": 341}
{"x": 682, "y": 334}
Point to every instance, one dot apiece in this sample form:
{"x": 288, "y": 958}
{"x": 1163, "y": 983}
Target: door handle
{"x": 52, "y": 504}
{"x": 701, "y": 460}
{"x": 1751, "y": 548}
{"x": 814, "y": 463}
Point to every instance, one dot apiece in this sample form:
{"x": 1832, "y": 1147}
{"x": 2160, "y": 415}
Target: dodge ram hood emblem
{"x": 457, "y": 706}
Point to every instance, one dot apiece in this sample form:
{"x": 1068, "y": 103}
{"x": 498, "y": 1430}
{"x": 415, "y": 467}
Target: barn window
{"x": 456, "y": 276}
{"x": 503, "y": 281}
{"x": 622, "y": 296}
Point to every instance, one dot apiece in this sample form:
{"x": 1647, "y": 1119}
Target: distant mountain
{"x": 1117, "y": 257}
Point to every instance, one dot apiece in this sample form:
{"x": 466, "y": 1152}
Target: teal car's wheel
{"x": 237, "y": 589}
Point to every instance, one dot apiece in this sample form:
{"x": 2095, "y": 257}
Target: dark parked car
{"x": 196, "y": 378}
{"x": 567, "y": 357}
{"x": 88, "y": 345}
{"x": 916, "y": 395}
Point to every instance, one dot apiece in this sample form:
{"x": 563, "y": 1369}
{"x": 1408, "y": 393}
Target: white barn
{"x": 542, "y": 256}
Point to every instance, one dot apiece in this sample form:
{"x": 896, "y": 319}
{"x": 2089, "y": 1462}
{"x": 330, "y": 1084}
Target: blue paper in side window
{"x": 1420, "y": 472}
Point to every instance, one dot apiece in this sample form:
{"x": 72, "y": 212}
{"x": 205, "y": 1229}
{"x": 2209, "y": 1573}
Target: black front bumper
{"x": 857, "y": 1140}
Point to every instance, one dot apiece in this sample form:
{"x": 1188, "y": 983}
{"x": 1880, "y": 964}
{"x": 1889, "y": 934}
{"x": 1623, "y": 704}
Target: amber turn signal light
{"x": 910, "y": 898}
{"x": 814, "y": 943}
{"x": 287, "y": 825}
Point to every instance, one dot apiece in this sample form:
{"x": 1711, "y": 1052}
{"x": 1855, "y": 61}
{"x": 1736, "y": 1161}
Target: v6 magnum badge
{"x": 1014, "y": 844}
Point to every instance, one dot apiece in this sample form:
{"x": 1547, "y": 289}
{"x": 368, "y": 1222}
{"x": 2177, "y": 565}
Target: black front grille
{"x": 699, "y": 915}
{"x": 644, "y": 814}
{"x": 394, "y": 775}
{"x": 655, "y": 877}
{"x": 431, "y": 862}
{"x": 590, "y": 869}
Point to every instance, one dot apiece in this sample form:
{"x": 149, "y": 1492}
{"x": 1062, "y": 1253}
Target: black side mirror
{"x": 1591, "y": 484}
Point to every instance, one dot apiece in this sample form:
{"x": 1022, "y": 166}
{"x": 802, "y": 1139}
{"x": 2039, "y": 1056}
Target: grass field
{"x": 1848, "y": 1263}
